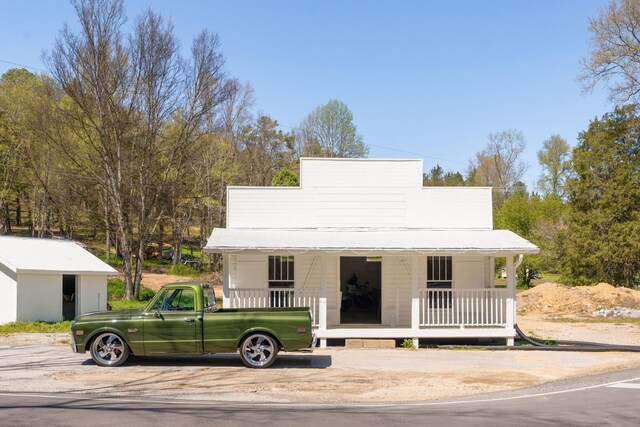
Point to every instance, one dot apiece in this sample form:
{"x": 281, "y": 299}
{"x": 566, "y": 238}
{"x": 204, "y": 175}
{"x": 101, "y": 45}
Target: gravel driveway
{"x": 44, "y": 363}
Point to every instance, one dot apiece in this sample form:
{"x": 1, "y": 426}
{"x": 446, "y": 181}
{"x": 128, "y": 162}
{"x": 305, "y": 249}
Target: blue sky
{"x": 432, "y": 78}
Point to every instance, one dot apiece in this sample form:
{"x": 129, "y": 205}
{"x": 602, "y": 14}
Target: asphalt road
{"x": 607, "y": 399}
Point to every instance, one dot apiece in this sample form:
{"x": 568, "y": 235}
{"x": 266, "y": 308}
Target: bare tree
{"x": 615, "y": 51}
{"x": 499, "y": 164}
{"x": 136, "y": 108}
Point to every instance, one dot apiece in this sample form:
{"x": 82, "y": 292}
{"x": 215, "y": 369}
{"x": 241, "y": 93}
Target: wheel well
{"x": 90, "y": 341}
{"x": 261, "y": 332}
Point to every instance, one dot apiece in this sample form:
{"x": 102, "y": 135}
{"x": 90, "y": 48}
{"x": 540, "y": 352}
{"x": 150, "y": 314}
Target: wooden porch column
{"x": 415, "y": 302}
{"x": 511, "y": 296}
{"x": 323, "y": 299}
{"x": 225, "y": 281}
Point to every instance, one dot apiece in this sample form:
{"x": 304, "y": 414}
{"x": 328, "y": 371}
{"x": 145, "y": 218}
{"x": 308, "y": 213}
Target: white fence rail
{"x": 276, "y": 297}
{"x": 463, "y": 307}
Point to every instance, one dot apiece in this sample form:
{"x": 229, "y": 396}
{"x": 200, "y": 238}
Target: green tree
{"x": 554, "y": 159}
{"x": 265, "y": 149}
{"x": 437, "y": 177}
{"x": 285, "y": 178}
{"x": 329, "y": 131}
{"x": 602, "y": 241}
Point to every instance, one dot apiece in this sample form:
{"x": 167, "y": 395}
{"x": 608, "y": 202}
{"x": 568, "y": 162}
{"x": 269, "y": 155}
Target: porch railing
{"x": 276, "y": 297}
{"x": 463, "y": 307}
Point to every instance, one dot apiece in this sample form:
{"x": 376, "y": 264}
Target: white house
{"x": 371, "y": 251}
{"x": 49, "y": 280}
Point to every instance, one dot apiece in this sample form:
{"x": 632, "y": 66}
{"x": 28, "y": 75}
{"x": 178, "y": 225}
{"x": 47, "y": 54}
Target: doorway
{"x": 360, "y": 284}
{"x": 69, "y": 296}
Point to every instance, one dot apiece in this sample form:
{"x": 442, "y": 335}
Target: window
{"x": 280, "y": 272}
{"x": 175, "y": 300}
{"x": 439, "y": 277}
{"x": 439, "y": 272}
{"x": 281, "y": 281}
{"x": 209, "y": 298}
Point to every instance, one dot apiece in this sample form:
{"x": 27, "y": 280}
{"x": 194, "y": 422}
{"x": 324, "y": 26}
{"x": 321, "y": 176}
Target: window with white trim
{"x": 439, "y": 272}
{"x": 281, "y": 272}
{"x": 439, "y": 279}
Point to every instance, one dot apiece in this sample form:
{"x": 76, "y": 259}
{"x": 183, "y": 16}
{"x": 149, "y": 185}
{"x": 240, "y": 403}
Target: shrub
{"x": 183, "y": 270}
{"x": 146, "y": 293}
{"x": 115, "y": 289}
{"x": 407, "y": 343}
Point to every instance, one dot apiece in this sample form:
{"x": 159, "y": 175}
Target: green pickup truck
{"x": 182, "y": 318}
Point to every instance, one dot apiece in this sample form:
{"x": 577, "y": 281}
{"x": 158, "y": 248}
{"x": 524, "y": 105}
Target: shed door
{"x": 69, "y": 296}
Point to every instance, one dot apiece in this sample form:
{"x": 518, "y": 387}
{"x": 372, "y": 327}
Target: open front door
{"x": 360, "y": 284}
{"x": 69, "y": 296}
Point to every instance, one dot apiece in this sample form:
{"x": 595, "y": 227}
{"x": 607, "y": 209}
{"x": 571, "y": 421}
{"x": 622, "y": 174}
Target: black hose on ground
{"x": 562, "y": 345}
{"x": 576, "y": 344}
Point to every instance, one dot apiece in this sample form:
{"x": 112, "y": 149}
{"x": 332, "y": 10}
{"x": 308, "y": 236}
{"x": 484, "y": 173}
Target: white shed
{"x": 371, "y": 251}
{"x": 49, "y": 280}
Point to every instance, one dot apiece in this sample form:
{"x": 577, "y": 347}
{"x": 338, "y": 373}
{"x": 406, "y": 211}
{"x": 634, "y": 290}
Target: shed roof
{"x": 449, "y": 242}
{"x": 24, "y": 254}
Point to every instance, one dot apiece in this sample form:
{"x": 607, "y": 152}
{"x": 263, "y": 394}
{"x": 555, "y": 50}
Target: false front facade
{"x": 371, "y": 251}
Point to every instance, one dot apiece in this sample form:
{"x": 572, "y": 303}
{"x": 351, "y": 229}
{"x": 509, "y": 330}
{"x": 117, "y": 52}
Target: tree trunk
{"x": 107, "y": 230}
{"x": 18, "y": 211}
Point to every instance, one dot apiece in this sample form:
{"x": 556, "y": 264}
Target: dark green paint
{"x": 197, "y": 331}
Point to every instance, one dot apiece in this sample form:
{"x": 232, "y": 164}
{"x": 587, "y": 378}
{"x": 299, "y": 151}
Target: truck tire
{"x": 258, "y": 350}
{"x": 109, "y": 349}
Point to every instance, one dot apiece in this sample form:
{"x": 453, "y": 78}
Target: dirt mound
{"x": 156, "y": 280}
{"x": 553, "y": 298}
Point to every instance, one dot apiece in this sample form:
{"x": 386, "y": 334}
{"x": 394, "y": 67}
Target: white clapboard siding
{"x": 375, "y": 173}
{"x": 450, "y": 207}
{"x": 268, "y": 207}
{"x": 396, "y": 291}
{"x": 358, "y": 193}
{"x": 308, "y": 276}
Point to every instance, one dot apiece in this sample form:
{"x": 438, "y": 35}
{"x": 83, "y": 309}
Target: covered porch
{"x": 410, "y": 306}
{"x": 435, "y": 313}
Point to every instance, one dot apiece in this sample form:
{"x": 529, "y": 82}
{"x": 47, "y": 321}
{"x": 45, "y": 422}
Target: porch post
{"x": 511, "y": 296}
{"x": 415, "y": 303}
{"x": 225, "y": 281}
{"x": 323, "y": 298}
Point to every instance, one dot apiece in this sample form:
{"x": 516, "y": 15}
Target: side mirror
{"x": 157, "y": 314}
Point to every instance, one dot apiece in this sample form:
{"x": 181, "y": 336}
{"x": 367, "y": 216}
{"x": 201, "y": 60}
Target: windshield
{"x": 209, "y": 298}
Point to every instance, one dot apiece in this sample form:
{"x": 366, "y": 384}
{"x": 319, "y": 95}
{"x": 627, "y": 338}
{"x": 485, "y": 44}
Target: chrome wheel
{"x": 258, "y": 350}
{"x": 109, "y": 349}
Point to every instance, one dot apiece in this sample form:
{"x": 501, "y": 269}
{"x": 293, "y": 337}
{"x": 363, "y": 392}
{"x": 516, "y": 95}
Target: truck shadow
{"x": 284, "y": 361}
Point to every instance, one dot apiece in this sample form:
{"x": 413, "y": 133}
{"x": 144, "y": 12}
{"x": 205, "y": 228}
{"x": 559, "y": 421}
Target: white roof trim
{"x": 40, "y": 256}
{"x": 450, "y": 242}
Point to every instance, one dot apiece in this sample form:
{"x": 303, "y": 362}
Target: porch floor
{"x": 380, "y": 331}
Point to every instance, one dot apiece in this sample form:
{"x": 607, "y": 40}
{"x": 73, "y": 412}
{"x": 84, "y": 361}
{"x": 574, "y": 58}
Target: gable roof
{"x": 33, "y": 255}
{"x": 451, "y": 242}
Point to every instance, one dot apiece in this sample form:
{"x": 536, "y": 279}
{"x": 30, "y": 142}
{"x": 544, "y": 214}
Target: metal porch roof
{"x": 489, "y": 242}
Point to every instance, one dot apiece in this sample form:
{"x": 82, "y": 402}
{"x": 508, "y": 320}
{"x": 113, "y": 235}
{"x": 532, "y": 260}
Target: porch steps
{"x": 358, "y": 343}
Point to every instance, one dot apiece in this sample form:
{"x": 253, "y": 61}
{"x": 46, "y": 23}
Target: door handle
{"x": 189, "y": 319}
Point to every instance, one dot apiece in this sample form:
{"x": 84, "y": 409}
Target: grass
{"x": 610, "y": 320}
{"x": 544, "y": 278}
{"x": 183, "y": 270}
{"x": 115, "y": 291}
{"x": 35, "y": 327}
{"x": 127, "y": 304}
